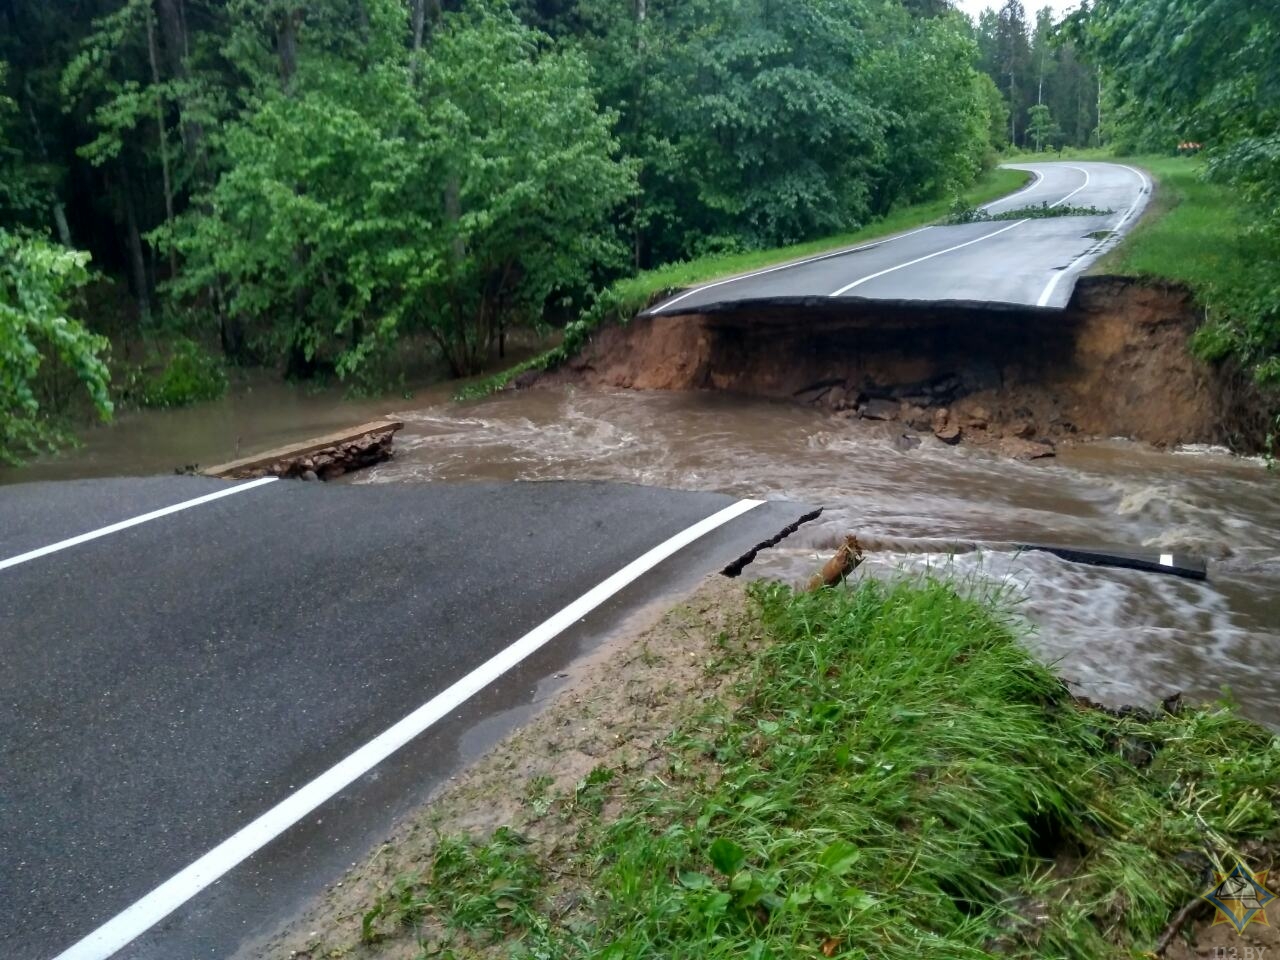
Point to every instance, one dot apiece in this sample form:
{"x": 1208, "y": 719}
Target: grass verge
{"x": 1206, "y": 235}
{"x": 629, "y": 296}
{"x": 890, "y": 774}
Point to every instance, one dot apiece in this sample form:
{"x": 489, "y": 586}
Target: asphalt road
{"x": 1032, "y": 262}
{"x": 174, "y": 690}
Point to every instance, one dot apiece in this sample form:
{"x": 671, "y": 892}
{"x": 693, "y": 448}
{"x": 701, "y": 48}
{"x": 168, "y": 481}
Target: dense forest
{"x": 310, "y": 187}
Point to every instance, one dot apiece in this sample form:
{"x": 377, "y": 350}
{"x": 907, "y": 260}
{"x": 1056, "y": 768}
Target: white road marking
{"x": 786, "y": 266}
{"x": 986, "y": 236}
{"x": 135, "y": 920}
{"x": 1047, "y": 292}
{"x": 1166, "y": 559}
{"x": 126, "y": 524}
{"x": 1077, "y": 189}
{"x": 1036, "y": 174}
{"x": 1058, "y": 275}
{"x": 911, "y": 263}
{"x": 1038, "y": 178}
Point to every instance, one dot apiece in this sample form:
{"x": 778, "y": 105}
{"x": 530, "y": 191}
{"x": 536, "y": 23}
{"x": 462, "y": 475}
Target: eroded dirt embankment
{"x": 1114, "y": 363}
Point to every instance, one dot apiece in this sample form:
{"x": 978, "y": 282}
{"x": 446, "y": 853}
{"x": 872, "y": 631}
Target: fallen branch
{"x": 1177, "y": 923}
{"x": 835, "y": 570}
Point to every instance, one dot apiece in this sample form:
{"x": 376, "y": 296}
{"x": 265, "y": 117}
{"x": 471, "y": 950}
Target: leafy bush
{"x": 188, "y": 375}
{"x": 37, "y": 282}
{"x": 443, "y": 194}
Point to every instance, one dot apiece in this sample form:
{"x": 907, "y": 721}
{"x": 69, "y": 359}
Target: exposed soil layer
{"x": 1114, "y": 363}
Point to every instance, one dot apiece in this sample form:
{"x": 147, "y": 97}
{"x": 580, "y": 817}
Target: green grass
{"x": 1205, "y": 235}
{"x": 1194, "y": 232}
{"x": 898, "y": 779}
{"x": 629, "y": 296}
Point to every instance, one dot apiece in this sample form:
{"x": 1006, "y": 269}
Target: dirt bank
{"x": 1114, "y": 363}
{"x": 616, "y": 708}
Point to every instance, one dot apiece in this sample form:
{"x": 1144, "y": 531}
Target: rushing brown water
{"x": 1124, "y": 636}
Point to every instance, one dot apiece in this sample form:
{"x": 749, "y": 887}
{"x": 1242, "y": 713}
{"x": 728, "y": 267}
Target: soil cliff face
{"x": 1114, "y": 363}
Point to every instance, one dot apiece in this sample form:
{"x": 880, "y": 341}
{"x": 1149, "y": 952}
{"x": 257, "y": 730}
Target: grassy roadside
{"x": 886, "y": 773}
{"x": 629, "y": 296}
{"x": 1205, "y": 235}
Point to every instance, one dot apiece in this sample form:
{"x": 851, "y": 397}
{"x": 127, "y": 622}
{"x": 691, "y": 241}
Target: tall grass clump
{"x": 897, "y": 777}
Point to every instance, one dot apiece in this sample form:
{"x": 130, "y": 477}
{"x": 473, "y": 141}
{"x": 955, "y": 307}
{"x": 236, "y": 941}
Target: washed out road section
{"x": 1030, "y": 263}
{"x": 167, "y": 684}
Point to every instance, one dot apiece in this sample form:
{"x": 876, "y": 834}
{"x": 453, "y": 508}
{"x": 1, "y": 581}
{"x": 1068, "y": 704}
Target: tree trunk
{"x": 287, "y": 46}
{"x": 453, "y": 214}
{"x": 177, "y": 48}
{"x": 60, "y": 221}
{"x": 137, "y": 261}
{"x": 59, "y": 208}
{"x": 419, "y": 19}
{"x": 166, "y": 173}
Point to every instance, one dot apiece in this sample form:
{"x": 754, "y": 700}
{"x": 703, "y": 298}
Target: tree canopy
{"x": 315, "y": 186}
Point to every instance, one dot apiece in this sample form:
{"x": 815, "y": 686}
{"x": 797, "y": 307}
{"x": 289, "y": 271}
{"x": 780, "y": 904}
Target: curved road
{"x": 1028, "y": 262}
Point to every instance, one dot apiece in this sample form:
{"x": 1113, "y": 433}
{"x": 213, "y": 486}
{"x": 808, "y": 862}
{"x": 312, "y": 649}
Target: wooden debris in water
{"x": 835, "y": 570}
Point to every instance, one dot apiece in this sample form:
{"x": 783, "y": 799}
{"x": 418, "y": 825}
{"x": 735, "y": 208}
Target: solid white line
{"x": 1026, "y": 188}
{"x": 1058, "y": 275}
{"x": 1077, "y": 189}
{"x": 786, "y": 266}
{"x": 126, "y": 524}
{"x": 1142, "y": 192}
{"x": 1052, "y": 285}
{"x": 1039, "y": 177}
{"x": 910, "y": 263}
{"x": 164, "y": 899}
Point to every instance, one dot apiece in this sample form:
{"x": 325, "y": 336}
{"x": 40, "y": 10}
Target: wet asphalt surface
{"x": 1031, "y": 263}
{"x": 166, "y": 684}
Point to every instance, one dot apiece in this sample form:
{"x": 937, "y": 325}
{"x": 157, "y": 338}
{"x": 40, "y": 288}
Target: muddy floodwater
{"x": 1123, "y": 636}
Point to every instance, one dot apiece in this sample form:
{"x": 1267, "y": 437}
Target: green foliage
{"x": 372, "y": 200}
{"x": 187, "y": 375}
{"x": 1206, "y": 72}
{"x": 1040, "y": 126}
{"x": 899, "y": 778}
{"x": 758, "y": 124}
{"x": 37, "y": 282}
{"x": 326, "y": 182}
{"x": 1036, "y": 66}
{"x": 22, "y": 192}
{"x": 962, "y": 213}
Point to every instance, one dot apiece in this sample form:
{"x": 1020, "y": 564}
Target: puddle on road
{"x": 1125, "y": 636}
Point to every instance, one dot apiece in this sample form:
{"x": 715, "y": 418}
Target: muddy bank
{"x": 1114, "y": 363}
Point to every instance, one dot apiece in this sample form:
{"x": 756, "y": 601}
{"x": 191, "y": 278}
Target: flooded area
{"x": 1123, "y": 636}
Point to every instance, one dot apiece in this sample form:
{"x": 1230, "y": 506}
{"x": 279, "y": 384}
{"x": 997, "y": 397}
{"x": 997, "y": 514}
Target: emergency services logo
{"x": 1240, "y": 896}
